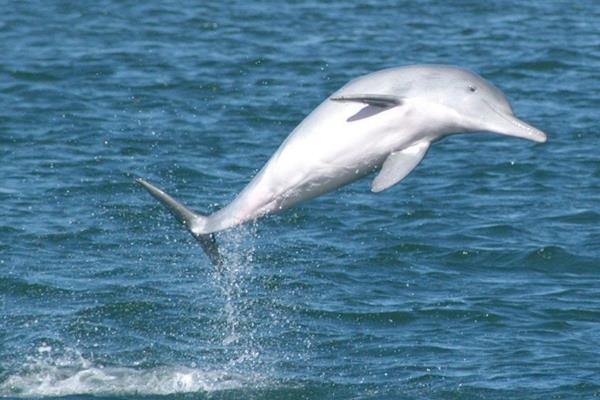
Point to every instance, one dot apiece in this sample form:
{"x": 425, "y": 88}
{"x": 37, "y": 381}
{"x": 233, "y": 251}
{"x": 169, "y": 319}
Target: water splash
{"x": 235, "y": 281}
{"x": 69, "y": 373}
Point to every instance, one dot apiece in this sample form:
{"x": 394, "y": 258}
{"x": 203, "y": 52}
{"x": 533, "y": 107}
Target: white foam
{"x": 65, "y": 377}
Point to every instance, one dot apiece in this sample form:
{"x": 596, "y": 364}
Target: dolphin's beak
{"x": 507, "y": 124}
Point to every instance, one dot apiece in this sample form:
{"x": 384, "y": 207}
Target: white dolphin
{"x": 384, "y": 120}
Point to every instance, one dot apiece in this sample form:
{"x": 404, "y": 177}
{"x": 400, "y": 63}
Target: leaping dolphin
{"x": 384, "y": 120}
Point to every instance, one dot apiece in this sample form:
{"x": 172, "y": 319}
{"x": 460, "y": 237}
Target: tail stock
{"x": 192, "y": 221}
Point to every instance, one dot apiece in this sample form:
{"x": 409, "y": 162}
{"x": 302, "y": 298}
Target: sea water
{"x": 478, "y": 277}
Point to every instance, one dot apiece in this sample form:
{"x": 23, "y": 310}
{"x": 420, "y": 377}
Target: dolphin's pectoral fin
{"x": 375, "y": 100}
{"x": 398, "y": 165}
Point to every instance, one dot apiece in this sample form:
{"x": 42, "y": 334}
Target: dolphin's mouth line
{"x": 511, "y": 120}
{"x": 534, "y": 133}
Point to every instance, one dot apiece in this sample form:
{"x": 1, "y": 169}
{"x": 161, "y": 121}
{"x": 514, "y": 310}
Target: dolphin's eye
{"x": 472, "y": 88}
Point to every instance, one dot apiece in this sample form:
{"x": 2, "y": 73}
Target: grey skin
{"x": 382, "y": 121}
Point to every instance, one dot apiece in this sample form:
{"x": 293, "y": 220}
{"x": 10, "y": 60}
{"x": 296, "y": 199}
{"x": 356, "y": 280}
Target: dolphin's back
{"x": 409, "y": 81}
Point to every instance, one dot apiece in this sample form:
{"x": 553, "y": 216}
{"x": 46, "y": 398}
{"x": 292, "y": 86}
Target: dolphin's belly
{"x": 327, "y": 151}
{"x": 332, "y": 178}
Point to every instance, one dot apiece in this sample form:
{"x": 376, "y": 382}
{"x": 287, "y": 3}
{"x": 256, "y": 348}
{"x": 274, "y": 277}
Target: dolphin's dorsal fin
{"x": 376, "y": 100}
{"x": 399, "y": 164}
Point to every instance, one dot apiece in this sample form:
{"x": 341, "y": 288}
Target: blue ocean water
{"x": 478, "y": 277}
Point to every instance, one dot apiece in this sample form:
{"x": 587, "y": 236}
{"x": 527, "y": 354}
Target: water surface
{"x": 476, "y": 278}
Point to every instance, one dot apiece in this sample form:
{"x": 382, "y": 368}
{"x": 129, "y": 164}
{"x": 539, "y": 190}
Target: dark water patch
{"x": 463, "y": 314}
{"x": 9, "y": 231}
{"x": 499, "y": 230}
{"x": 377, "y": 318}
{"x": 583, "y": 217}
{"x": 24, "y": 289}
{"x": 122, "y": 310}
{"x": 567, "y": 315}
{"x": 558, "y": 259}
{"x": 34, "y": 76}
{"x": 88, "y": 234}
{"x": 548, "y": 65}
{"x": 485, "y": 257}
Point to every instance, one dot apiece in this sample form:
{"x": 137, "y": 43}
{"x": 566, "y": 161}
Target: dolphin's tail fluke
{"x": 194, "y": 222}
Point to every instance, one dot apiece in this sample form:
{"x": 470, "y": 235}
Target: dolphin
{"x": 385, "y": 121}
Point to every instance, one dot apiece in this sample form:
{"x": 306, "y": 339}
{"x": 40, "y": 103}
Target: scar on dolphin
{"x": 382, "y": 121}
